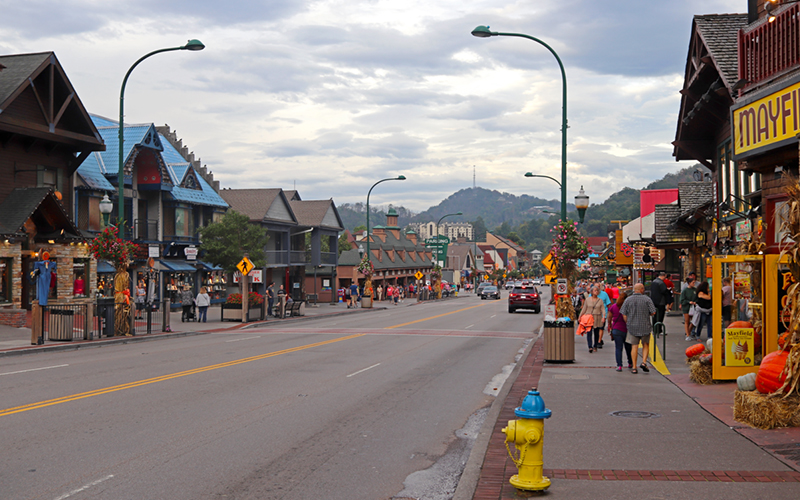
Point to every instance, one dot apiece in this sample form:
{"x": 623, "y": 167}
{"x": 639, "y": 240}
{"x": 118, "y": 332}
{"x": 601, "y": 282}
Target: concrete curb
{"x": 472, "y": 471}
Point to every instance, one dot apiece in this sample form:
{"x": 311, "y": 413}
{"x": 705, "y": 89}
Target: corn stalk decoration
{"x": 789, "y": 248}
{"x": 109, "y": 246}
{"x": 568, "y": 246}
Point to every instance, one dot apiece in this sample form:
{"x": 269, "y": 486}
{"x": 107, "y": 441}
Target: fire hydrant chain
{"x": 521, "y": 455}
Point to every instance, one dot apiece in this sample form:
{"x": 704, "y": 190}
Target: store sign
{"x": 190, "y": 253}
{"x": 255, "y": 275}
{"x": 766, "y": 123}
{"x": 743, "y": 230}
{"x": 152, "y": 251}
{"x": 739, "y": 347}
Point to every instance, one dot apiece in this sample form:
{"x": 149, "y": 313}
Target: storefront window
{"x": 174, "y": 284}
{"x": 105, "y": 285}
{"x": 5, "y": 280}
{"x": 80, "y": 274}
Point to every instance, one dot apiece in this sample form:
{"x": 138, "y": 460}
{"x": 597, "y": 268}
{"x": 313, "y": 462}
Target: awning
{"x": 178, "y": 266}
{"x": 207, "y": 266}
{"x": 104, "y": 267}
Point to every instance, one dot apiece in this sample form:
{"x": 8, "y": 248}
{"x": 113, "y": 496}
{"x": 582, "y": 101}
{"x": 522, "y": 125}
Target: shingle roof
{"x": 251, "y": 202}
{"x": 666, "y": 231}
{"x": 720, "y": 34}
{"x": 22, "y": 203}
{"x": 18, "y": 68}
{"x": 694, "y": 195}
{"x": 312, "y": 213}
{"x": 92, "y": 171}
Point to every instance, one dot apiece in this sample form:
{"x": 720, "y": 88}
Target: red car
{"x": 524, "y": 297}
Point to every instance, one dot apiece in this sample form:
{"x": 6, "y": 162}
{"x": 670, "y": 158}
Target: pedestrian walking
{"x": 202, "y": 301}
{"x": 637, "y": 311}
{"x": 688, "y": 297}
{"x": 141, "y": 291}
{"x": 619, "y": 331}
{"x": 270, "y": 298}
{"x": 727, "y": 300}
{"x": 595, "y": 307}
{"x": 603, "y": 295}
{"x": 658, "y": 294}
{"x": 703, "y": 315}
{"x": 354, "y": 294}
{"x": 187, "y": 300}
{"x": 380, "y": 293}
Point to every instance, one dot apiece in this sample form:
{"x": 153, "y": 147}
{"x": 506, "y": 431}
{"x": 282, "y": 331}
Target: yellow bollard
{"x": 527, "y": 435}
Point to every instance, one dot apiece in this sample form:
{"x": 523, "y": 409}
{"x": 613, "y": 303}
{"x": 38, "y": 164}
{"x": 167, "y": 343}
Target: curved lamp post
{"x": 483, "y": 32}
{"x": 437, "y": 232}
{"x": 581, "y": 203}
{"x": 193, "y": 45}
{"x": 398, "y": 178}
{"x": 106, "y": 207}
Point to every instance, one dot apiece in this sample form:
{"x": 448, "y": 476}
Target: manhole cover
{"x": 634, "y": 414}
{"x": 571, "y": 377}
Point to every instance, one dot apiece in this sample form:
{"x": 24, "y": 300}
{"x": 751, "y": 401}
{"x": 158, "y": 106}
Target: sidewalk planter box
{"x": 366, "y": 302}
{"x": 559, "y": 342}
{"x": 231, "y": 312}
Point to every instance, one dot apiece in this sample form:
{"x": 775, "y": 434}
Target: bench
{"x": 293, "y": 309}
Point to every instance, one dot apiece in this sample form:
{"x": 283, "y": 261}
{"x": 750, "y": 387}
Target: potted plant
{"x": 232, "y": 308}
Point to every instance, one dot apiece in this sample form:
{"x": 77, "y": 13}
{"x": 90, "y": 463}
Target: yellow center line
{"x": 163, "y": 378}
{"x": 434, "y": 317}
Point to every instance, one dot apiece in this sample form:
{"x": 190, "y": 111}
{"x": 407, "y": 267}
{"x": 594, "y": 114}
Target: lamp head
{"x": 401, "y": 177}
{"x": 193, "y": 45}
{"x": 482, "y": 32}
{"x": 528, "y": 174}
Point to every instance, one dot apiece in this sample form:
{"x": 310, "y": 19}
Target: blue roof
{"x": 92, "y": 172}
{"x": 177, "y": 167}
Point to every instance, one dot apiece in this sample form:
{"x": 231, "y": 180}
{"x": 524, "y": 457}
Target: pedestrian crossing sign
{"x": 419, "y": 275}
{"x": 245, "y": 266}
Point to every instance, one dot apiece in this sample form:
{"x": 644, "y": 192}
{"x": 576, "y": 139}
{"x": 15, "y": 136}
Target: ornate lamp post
{"x": 106, "y": 207}
{"x": 483, "y": 32}
{"x": 581, "y": 203}
{"x": 193, "y": 45}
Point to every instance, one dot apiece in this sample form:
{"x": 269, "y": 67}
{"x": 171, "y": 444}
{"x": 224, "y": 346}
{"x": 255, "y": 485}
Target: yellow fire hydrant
{"x": 527, "y": 434}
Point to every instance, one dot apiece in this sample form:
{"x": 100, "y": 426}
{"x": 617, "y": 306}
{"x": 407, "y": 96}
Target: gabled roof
{"x": 141, "y": 134}
{"x": 694, "y": 195}
{"x": 26, "y": 203}
{"x": 268, "y": 204}
{"x": 317, "y": 213}
{"x": 38, "y": 100}
{"x": 720, "y": 33}
{"x": 667, "y": 232}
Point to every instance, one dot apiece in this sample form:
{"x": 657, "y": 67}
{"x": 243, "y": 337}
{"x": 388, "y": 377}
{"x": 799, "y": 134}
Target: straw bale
{"x": 700, "y": 374}
{"x": 765, "y": 411}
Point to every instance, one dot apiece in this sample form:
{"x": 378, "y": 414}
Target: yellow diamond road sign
{"x": 548, "y": 262}
{"x": 245, "y": 266}
{"x": 419, "y": 275}
{"x": 550, "y": 279}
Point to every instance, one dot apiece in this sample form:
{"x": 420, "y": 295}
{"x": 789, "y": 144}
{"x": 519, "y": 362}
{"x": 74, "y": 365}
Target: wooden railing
{"x": 770, "y": 49}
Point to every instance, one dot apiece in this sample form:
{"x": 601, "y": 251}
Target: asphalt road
{"x": 339, "y": 408}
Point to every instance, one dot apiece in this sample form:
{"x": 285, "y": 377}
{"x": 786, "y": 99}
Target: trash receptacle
{"x": 105, "y": 316}
{"x": 60, "y": 323}
{"x": 559, "y": 341}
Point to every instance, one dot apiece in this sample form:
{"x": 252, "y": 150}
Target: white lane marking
{"x": 492, "y": 316}
{"x": 33, "y": 370}
{"x": 362, "y": 371}
{"x": 237, "y": 340}
{"x": 470, "y": 326}
{"x": 86, "y": 487}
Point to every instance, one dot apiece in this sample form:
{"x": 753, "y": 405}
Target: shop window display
{"x": 174, "y": 285}
{"x": 5, "y": 280}
{"x": 214, "y": 282}
{"x": 80, "y": 272}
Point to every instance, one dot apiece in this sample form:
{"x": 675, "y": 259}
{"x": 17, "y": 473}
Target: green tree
{"x": 479, "y": 228}
{"x": 513, "y": 236}
{"x": 225, "y": 242}
{"x": 344, "y": 243}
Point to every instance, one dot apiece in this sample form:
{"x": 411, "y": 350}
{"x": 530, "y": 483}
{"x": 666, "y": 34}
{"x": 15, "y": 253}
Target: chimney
{"x": 412, "y": 237}
{"x": 752, "y": 11}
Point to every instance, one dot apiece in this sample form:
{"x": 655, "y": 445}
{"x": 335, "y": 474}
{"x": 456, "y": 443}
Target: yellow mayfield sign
{"x": 739, "y": 347}
{"x": 771, "y": 120}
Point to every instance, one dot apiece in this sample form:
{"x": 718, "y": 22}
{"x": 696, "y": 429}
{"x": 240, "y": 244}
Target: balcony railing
{"x": 769, "y": 49}
{"x": 327, "y": 258}
{"x": 277, "y": 258}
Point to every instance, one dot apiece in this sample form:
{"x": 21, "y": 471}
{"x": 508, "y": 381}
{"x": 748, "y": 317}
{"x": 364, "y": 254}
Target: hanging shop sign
{"x": 190, "y": 253}
{"x": 760, "y": 125}
{"x": 743, "y": 230}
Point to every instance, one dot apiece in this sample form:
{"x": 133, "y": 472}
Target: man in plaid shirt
{"x": 637, "y": 310}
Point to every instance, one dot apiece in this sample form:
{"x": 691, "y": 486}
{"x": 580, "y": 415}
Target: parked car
{"x": 490, "y": 292}
{"x": 524, "y": 297}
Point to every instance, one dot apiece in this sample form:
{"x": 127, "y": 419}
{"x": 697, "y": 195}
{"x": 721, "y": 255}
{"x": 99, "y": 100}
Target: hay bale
{"x": 700, "y": 374}
{"x": 764, "y": 411}
{"x": 691, "y": 360}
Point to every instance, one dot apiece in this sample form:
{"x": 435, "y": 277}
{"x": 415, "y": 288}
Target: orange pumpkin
{"x": 769, "y": 379}
{"x": 784, "y": 339}
{"x": 694, "y": 350}
{"x": 741, "y": 324}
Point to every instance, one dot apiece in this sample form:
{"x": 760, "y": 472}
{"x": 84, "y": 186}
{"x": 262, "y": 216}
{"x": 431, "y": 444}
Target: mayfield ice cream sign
{"x": 767, "y": 123}
{"x": 739, "y": 347}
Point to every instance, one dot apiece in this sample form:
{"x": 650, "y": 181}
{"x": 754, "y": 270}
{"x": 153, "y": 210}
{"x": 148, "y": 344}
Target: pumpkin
{"x": 747, "y": 382}
{"x": 741, "y": 324}
{"x": 694, "y": 350}
{"x": 784, "y": 339}
{"x": 769, "y": 377}
{"x": 706, "y": 359}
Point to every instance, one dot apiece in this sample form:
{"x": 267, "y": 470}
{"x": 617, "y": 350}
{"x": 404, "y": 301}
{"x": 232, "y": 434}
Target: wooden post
{"x": 36, "y": 323}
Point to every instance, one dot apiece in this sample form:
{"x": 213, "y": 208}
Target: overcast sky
{"x": 330, "y": 96}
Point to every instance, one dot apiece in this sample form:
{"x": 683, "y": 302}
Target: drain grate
{"x": 634, "y": 414}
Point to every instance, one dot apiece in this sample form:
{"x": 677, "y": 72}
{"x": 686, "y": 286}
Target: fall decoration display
{"x": 109, "y": 246}
{"x": 694, "y": 350}
{"x": 784, "y": 340}
{"x": 568, "y": 246}
{"x": 771, "y": 376}
{"x": 700, "y": 373}
{"x": 741, "y": 324}
{"x": 710, "y": 345}
{"x": 706, "y": 359}
{"x": 746, "y": 382}
{"x": 764, "y": 411}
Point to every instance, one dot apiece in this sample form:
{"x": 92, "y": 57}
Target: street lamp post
{"x": 106, "y": 207}
{"x": 398, "y": 178}
{"x": 192, "y": 45}
{"x": 483, "y": 32}
{"x": 437, "y": 232}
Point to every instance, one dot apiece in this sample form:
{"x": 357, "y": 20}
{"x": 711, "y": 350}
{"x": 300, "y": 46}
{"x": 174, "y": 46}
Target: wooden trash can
{"x": 559, "y": 342}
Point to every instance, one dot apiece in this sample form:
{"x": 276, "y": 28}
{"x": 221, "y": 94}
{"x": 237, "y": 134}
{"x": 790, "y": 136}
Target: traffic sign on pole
{"x": 245, "y": 266}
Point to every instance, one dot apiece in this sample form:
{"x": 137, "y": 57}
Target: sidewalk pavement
{"x": 682, "y": 440}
